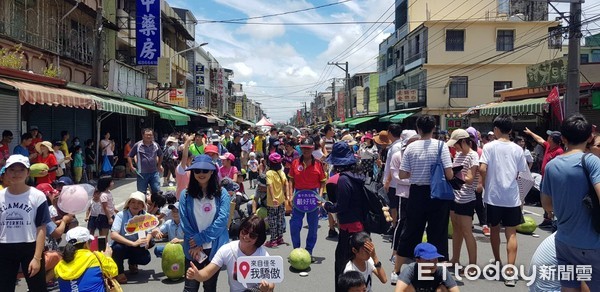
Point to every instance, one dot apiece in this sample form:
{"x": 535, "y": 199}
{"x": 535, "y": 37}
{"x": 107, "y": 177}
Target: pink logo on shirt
{"x": 207, "y": 207}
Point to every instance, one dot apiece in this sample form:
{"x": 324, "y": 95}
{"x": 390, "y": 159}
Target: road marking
{"x": 532, "y": 213}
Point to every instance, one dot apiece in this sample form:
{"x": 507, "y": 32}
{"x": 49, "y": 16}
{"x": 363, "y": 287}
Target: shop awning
{"x": 40, "y": 94}
{"x": 346, "y": 122}
{"x": 386, "y": 118}
{"x": 526, "y": 106}
{"x": 236, "y": 119}
{"x": 116, "y": 106}
{"x": 167, "y": 114}
{"x": 398, "y": 118}
{"x": 185, "y": 111}
{"x": 360, "y": 120}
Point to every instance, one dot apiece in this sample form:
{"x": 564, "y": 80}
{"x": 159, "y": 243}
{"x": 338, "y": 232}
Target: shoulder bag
{"x": 590, "y": 201}
{"x": 110, "y": 284}
{"x": 440, "y": 188}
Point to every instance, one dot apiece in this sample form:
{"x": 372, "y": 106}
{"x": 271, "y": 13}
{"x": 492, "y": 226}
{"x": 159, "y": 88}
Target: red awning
{"x": 40, "y": 94}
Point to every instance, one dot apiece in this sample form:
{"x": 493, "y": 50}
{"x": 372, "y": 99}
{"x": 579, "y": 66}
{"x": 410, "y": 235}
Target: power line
{"x": 307, "y": 23}
{"x": 273, "y": 15}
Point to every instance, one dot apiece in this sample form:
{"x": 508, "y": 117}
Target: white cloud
{"x": 242, "y": 69}
{"x": 263, "y": 32}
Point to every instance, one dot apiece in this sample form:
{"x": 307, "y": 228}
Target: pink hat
{"x": 228, "y": 156}
{"x": 368, "y": 135}
{"x": 275, "y": 157}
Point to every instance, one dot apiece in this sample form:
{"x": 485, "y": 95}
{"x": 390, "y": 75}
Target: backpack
{"x": 166, "y": 155}
{"x": 590, "y": 201}
{"x": 376, "y": 220}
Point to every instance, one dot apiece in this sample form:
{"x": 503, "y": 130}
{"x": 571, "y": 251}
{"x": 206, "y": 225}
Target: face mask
{"x": 76, "y": 143}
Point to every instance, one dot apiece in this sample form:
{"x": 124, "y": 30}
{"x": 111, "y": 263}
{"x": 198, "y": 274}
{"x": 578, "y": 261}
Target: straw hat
{"x": 44, "y": 143}
{"x": 382, "y": 138}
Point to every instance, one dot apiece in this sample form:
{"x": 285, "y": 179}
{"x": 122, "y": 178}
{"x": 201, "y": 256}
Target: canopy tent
{"x": 264, "y": 123}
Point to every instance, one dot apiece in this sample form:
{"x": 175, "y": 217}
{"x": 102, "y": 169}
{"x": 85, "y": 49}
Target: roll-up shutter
{"x": 591, "y": 115}
{"x": 10, "y": 118}
{"x": 77, "y": 122}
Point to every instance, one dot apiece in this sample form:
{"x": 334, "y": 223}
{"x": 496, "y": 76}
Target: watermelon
{"x": 34, "y": 170}
{"x": 173, "y": 261}
{"x": 299, "y": 259}
{"x": 262, "y": 212}
{"x": 528, "y": 227}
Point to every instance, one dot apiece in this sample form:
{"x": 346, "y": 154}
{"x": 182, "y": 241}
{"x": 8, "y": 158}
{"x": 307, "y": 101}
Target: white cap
{"x": 491, "y": 133}
{"x": 17, "y": 158}
{"x": 78, "y": 234}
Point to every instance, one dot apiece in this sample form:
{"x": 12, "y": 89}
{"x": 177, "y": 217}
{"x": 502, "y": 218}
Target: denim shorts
{"x": 569, "y": 255}
{"x": 92, "y": 223}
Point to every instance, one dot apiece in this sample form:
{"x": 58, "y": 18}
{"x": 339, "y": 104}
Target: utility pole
{"x": 347, "y": 105}
{"x": 98, "y": 61}
{"x": 334, "y": 107}
{"x": 572, "y": 98}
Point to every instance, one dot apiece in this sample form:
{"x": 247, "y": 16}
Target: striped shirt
{"x": 467, "y": 191}
{"x": 418, "y": 158}
{"x": 328, "y": 144}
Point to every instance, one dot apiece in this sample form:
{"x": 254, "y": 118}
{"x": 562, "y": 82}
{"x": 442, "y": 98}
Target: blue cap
{"x": 427, "y": 251}
{"x": 230, "y": 185}
{"x": 65, "y": 180}
{"x": 341, "y": 155}
{"x": 202, "y": 162}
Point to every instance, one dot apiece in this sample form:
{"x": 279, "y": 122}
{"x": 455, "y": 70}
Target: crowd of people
{"x": 207, "y": 210}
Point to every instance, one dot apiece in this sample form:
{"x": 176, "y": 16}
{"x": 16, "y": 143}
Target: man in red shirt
{"x": 306, "y": 173}
{"x": 552, "y": 149}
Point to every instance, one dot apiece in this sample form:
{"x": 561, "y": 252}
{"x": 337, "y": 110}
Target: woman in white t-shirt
{"x": 107, "y": 147}
{"x": 463, "y": 207}
{"x": 22, "y": 235}
{"x": 204, "y": 211}
{"x": 364, "y": 259}
{"x": 253, "y": 233}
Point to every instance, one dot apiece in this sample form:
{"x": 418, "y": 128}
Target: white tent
{"x": 264, "y": 123}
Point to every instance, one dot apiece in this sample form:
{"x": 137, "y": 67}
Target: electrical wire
{"x": 273, "y": 15}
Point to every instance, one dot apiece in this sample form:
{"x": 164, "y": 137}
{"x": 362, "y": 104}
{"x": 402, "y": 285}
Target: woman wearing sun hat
{"x": 204, "y": 213}
{"x": 368, "y": 154}
{"x": 351, "y": 204}
{"x": 81, "y": 266}
{"x": 130, "y": 246}
{"x": 46, "y": 157}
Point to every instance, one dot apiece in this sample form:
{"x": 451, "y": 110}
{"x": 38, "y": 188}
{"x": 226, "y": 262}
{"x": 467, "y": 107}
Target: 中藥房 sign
{"x": 147, "y": 32}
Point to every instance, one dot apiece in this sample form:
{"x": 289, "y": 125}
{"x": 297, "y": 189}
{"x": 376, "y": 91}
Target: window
{"x": 402, "y": 55}
{"x": 417, "y": 44}
{"x": 584, "y": 58}
{"x": 595, "y": 56}
{"x": 499, "y": 85}
{"x": 459, "y": 86}
{"x": 505, "y": 40}
{"x": 455, "y": 40}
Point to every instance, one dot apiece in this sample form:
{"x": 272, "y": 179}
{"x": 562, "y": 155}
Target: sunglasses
{"x": 198, "y": 171}
{"x": 252, "y": 235}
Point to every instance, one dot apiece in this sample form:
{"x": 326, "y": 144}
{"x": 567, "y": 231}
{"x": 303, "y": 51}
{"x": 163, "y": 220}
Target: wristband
{"x": 38, "y": 259}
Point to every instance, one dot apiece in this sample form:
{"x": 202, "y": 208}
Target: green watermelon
{"x": 173, "y": 261}
{"x": 528, "y": 227}
{"x": 299, "y": 259}
{"x": 262, "y": 212}
{"x": 35, "y": 169}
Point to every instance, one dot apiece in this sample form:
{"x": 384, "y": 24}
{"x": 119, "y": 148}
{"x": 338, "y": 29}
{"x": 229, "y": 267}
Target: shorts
{"x": 394, "y": 200}
{"x": 573, "y": 256}
{"x": 89, "y": 168}
{"x": 508, "y": 216}
{"x": 92, "y": 223}
{"x": 252, "y": 175}
{"x": 466, "y": 209}
{"x": 102, "y": 222}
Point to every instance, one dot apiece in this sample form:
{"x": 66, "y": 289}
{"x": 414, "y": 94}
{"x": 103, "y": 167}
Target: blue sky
{"x": 280, "y": 64}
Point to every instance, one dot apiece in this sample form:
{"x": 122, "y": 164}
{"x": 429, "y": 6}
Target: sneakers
{"x": 393, "y": 278}
{"x": 486, "y": 230}
{"x": 271, "y": 243}
{"x": 280, "y": 241}
{"x": 332, "y": 233}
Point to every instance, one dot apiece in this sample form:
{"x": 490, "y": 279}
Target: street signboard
{"x": 147, "y": 32}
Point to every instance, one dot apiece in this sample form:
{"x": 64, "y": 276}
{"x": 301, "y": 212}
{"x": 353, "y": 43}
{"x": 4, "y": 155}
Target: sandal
{"x": 133, "y": 269}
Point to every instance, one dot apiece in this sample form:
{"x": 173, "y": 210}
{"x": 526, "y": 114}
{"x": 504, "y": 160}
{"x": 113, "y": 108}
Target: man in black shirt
{"x": 90, "y": 159}
{"x": 411, "y": 280}
{"x": 235, "y": 147}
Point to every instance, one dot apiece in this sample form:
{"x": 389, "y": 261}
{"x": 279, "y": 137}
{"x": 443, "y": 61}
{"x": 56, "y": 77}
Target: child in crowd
{"x": 91, "y": 216}
{"x": 252, "y": 169}
{"x": 364, "y": 259}
{"x": 108, "y": 210}
{"x": 22, "y": 245}
{"x": 77, "y": 164}
{"x": 352, "y": 281}
{"x": 165, "y": 211}
{"x": 240, "y": 181}
{"x": 409, "y": 280}
{"x": 171, "y": 229}
{"x": 277, "y": 186}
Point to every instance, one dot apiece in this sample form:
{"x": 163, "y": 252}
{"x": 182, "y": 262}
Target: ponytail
{"x": 70, "y": 249}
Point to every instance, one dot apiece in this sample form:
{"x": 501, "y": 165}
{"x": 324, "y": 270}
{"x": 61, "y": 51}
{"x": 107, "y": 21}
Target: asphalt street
{"x": 320, "y": 276}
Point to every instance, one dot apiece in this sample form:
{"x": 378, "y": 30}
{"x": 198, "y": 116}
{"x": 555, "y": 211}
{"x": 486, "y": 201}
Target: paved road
{"x": 321, "y": 276}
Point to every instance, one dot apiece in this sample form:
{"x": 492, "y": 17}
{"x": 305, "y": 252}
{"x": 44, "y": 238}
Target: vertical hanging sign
{"x": 199, "y": 86}
{"x": 147, "y": 32}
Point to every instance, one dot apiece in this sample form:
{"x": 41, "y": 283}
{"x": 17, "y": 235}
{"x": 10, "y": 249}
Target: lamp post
{"x": 179, "y": 53}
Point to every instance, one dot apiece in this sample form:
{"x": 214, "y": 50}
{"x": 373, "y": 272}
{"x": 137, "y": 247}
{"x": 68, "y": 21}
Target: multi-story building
{"x": 445, "y": 60}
